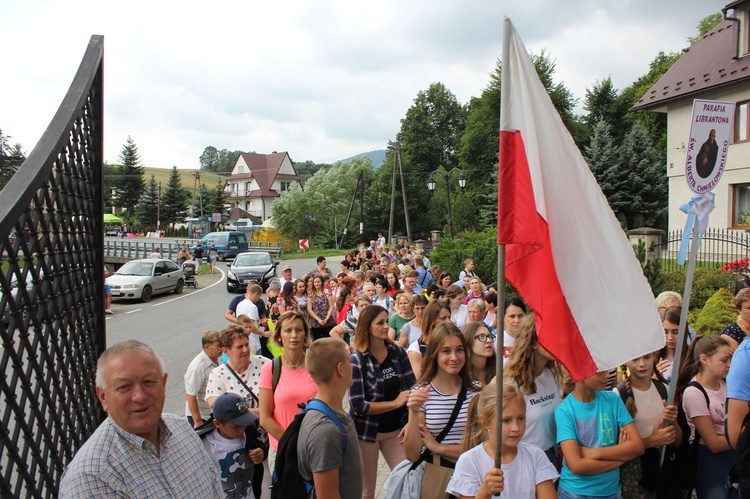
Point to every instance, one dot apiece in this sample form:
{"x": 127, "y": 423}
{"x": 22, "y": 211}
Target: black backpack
{"x": 287, "y": 480}
{"x": 742, "y": 464}
{"x": 681, "y": 460}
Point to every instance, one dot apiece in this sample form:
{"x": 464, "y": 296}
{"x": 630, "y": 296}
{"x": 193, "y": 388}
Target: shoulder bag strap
{"x": 226, "y": 364}
{"x": 320, "y": 406}
{"x": 697, "y": 438}
{"x": 276, "y": 371}
{"x": 454, "y": 415}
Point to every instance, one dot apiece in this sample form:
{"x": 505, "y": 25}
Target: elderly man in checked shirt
{"x": 138, "y": 451}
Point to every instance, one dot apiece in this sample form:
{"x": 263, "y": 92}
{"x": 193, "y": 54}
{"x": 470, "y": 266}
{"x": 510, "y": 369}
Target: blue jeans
{"x": 713, "y": 469}
{"x": 561, "y": 494}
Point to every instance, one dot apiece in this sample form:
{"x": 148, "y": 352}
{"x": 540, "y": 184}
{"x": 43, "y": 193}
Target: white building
{"x": 717, "y": 67}
{"x": 257, "y": 180}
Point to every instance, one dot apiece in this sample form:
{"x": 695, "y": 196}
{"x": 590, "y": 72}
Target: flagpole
{"x": 504, "y": 101}
{"x": 694, "y": 243}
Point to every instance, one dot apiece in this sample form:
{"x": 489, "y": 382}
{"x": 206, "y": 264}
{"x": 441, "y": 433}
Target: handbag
{"x": 255, "y": 435}
{"x": 424, "y": 478}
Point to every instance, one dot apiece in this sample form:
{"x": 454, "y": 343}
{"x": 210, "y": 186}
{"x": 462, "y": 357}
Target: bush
{"x": 479, "y": 246}
{"x": 706, "y": 282}
{"x": 717, "y": 313}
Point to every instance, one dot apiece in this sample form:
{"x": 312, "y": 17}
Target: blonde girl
{"x": 526, "y": 473}
{"x": 481, "y": 355}
{"x": 404, "y": 313}
{"x": 644, "y": 390}
{"x": 702, "y": 392}
{"x": 540, "y": 379}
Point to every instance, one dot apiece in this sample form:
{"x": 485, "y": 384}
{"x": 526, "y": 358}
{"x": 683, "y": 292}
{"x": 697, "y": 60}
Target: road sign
{"x": 304, "y": 244}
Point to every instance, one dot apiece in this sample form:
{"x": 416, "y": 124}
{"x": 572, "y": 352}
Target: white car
{"x": 141, "y": 279}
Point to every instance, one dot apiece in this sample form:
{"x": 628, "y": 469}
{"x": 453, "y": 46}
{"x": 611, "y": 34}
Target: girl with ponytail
{"x": 530, "y": 474}
{"x": 643, "y": 391}
{"x": 702, "y": 392}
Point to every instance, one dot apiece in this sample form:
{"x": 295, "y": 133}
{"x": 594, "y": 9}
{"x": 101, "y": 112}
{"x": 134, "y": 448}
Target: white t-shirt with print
{"x": 541, "y": 430}
{"x": 221, "y": 380}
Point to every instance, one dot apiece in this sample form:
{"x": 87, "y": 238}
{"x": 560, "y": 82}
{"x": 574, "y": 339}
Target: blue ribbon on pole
{"x": 697, "y": 209}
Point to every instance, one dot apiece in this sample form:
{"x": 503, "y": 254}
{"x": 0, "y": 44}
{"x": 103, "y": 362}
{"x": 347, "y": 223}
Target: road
{"x": 173, "y": 324}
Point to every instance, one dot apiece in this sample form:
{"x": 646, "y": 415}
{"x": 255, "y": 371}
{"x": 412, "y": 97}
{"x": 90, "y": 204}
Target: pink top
{"x": 294, "y": 386}
{"x": 694, "y": 405}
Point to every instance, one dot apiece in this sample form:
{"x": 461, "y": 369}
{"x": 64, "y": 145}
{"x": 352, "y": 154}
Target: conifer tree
{"x": 130, "y": 183}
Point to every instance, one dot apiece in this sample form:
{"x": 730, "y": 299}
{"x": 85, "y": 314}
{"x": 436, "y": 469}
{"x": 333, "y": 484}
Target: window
{"x": 741, "y": 205}
{"x": 741, "y": 127}
{"x": 240, "y": 169}
{"x": 285, "y": 186}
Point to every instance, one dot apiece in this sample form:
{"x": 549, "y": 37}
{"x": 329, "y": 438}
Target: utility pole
{"x": 158, "y": 210}
{"x": 403, "y": 193}
{"x": 394, "y": 146}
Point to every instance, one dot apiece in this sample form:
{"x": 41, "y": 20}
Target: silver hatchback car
{"x": 142, "y": 279}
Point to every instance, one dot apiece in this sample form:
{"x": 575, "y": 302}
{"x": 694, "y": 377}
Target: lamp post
{"x": 447, "y": 177}
{"x": 158, "y": 210}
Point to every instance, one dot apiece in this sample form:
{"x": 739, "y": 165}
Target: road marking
{"x": 133, "y": 311}
{"x": 223, "y": 275}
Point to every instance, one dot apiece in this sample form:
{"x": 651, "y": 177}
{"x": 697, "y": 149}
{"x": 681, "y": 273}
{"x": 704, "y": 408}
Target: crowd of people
{"x": 412, "y": 352}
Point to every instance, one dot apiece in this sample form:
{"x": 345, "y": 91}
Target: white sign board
{"x": 710, "y": 133}
{"x": 216, "y": 217}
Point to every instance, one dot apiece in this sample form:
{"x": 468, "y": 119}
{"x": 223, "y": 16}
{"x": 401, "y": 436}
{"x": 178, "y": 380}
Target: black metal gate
{"x": 718, "y": 246}
{"x": 51, "y": 278}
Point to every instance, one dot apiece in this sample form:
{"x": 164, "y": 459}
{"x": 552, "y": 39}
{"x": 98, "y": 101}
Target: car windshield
{"x": 250, "y": 260}
{"x": 136, "y": 268}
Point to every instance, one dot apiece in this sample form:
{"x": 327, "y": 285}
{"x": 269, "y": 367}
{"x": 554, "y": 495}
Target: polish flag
{"x": 566, "y": 253}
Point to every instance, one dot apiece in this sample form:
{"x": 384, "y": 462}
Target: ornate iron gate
{"x": 51, "y": 278}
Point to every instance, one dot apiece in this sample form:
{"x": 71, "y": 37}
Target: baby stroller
{"x": 189, "y": 270}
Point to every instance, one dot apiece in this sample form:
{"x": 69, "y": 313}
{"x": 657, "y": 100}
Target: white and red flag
{"x": 566, "y": 253}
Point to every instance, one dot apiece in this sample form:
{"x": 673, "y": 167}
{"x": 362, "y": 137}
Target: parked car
{"x": 142, "y": 279}
{"x": 250, "y": 266}
{"x": 229, "y": 244}
{"x": 14, "y": 290}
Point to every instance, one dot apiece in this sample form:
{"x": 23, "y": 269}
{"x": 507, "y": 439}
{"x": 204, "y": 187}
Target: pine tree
{"x": 174, "y": 200}
{"x": 130, "y": 184}
{"x": 11, "y": 157}
{"x": 148, "y": 206}
{"x": 218, "y": 198}
{"x": 601, "y": 154}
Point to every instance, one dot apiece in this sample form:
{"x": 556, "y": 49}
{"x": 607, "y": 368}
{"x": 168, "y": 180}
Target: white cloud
{"x": 323, "y": 80}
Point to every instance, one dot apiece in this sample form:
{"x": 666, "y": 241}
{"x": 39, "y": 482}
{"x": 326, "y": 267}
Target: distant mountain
{"x": 377, "y": 157}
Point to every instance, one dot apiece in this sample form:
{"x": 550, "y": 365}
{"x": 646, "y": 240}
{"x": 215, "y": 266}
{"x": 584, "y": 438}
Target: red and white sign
{"x": 304, "y": 244}
{"x": 710, "y": 130}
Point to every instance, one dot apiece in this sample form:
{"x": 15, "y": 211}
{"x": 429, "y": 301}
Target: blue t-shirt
{"x": 738, "y": 379}
{"x": 593, "y": 425}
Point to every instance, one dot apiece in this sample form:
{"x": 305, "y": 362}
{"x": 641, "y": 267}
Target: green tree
{"x": 217, "y": 160}
{"x": 601, "y": 154}
{"x": 129, "y": 185}
{"x": 174, "y": 199}
{"x": 430, "y": 137}
{"x": 217, "y": 201}
{"x": 148, "y": 207}
{"x": 11, "y": 157}
{"x": 318, "y": 213}
{"x": 705, "y": 25}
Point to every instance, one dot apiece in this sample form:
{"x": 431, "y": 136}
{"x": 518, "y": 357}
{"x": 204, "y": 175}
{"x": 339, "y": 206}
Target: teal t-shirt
{"x": 593, "y": 425}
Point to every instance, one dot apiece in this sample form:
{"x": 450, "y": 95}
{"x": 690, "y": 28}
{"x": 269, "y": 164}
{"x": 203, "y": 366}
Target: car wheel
{"x": 178, "y": 288}
{"x": 220, "y": 257}
{"x": 147, "y": 293}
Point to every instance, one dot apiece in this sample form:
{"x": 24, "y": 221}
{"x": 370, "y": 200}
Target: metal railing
{"x": 52, "y": 283}
{"x": 718, "y": 246}
{"x": 123, "y": 250}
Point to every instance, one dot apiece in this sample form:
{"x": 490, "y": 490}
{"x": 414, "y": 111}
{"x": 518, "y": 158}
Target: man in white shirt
{"x": 197, "y": 410}
{"x": 286, "y": 276}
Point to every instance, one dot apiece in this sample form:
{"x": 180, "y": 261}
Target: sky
{"x": 323, "y": 80}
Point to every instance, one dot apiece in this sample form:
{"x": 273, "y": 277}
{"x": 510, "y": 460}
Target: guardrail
{"x": 124, "y": 250}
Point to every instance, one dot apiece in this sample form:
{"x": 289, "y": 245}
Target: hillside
{"x": 377, "y": 157}
{"x": 162, "y": 175}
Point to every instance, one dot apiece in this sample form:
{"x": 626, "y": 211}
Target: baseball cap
{"x": 232, "y": 407}
{"x": 286, "y": 267}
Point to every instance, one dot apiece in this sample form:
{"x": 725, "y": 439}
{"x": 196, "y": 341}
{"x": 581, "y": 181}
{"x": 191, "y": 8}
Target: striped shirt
{"x": 115, "y": 463}
{"x": 438, "y": 409}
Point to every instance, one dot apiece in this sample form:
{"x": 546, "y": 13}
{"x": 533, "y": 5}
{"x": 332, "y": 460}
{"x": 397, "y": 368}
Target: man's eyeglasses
{"x": 485, "y": 337}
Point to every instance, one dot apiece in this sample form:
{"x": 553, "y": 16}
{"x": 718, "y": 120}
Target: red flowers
{"x": 741, "y": 264}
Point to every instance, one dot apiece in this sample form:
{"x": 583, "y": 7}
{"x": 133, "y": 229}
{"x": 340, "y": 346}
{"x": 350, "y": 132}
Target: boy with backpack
{"x": 318, "y": 455}
{"x": 226, "y": 445}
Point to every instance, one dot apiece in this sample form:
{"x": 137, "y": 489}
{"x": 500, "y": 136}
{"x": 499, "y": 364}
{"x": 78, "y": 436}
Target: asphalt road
{"x": 173, "y": 324}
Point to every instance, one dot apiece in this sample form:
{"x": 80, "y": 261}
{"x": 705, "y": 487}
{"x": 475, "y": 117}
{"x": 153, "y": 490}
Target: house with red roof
{"x": 257, "y": 180}
{"x": 716, "y": 67}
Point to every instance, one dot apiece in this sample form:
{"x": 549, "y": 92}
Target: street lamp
{"x": 461, "y": 183}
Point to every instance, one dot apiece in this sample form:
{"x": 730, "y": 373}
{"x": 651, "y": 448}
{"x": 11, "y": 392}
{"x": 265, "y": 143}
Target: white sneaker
{"x": 108, "y": 311}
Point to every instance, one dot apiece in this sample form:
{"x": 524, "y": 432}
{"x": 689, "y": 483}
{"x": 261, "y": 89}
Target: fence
{"x": 718, "y": 246}
{"x": 123, "y": 250}
{"x": 51, "y": 278}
